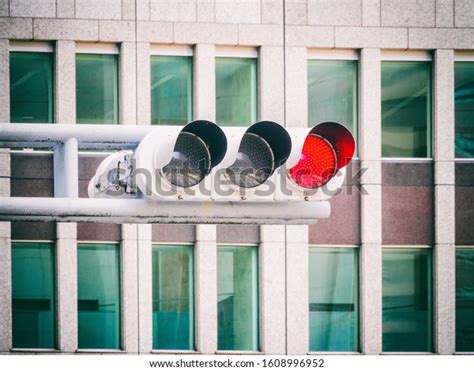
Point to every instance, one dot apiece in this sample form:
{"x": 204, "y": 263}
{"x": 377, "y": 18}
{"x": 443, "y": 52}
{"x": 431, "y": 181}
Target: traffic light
{"x": 254, "y": 155}
{"x": 170, "y": 163}
{"x": 202, "y": 161}
{"x": 318, "y": 163}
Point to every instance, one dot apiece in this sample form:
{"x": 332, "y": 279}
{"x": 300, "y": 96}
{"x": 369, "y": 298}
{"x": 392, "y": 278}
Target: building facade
{"x": 391, "y": 270}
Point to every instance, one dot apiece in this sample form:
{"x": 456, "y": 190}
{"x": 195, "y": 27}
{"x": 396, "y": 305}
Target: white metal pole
{"x": 66, "y": 169}
{"x": 147, "y": 211}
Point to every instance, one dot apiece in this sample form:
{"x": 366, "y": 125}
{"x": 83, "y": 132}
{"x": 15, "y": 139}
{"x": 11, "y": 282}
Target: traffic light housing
{"x": 317, "y": 166}
{"x": 202, "y": 161}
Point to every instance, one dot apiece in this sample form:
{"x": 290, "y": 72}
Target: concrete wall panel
{"x": 173, "y": 233}
{"x": 407, "y": 215}
{"x": 335, "y": 12}
{"x": 343, "y": 226}
{"x": 245, "y": 234}
{"x": 408, "y": 13}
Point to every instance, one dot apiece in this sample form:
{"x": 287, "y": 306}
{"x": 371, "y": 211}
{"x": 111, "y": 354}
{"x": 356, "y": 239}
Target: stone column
{"x": 444, "y": 250}
{"x": 66, "y": 233}
{"x": 145, "y": 294}
{"x": 272, "y": 289}
{"x": 371, "y": 202}
{"x": 129, "y": 287}
{"x": 205, "y": 247}
{"x": 206, "y": 289}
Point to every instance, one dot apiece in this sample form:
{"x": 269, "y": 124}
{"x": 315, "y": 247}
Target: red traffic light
{"x": 327, "y": 148}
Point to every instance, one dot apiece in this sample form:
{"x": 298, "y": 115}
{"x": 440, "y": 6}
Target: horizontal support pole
{"x": 147, "y": 211}
{"x": 87, "y": 136}
{"x": 46, "y": 136}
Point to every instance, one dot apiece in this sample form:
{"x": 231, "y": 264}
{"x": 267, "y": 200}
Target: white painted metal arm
{"x": 145, "y": 211}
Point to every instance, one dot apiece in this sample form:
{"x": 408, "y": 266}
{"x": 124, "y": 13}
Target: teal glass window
{"x": 407, "y": 300}
{"x": 332, "y": 92}
{"x": 97, "y": 89}
{"x": 333, "y": 299}
{"x": 31, "y": 87}
{"x": 98, "y": 267}
{"x": 406, "y": 109}
{"x": 237, "y": 297}
{"x": 33, "y": 295}
{"x": 464, "y": 300}
{"x": 236, "y": 91}
{"x": 171, "y": 90}
{"x": 464, "y": 108}
{"x": 173, "y": 297}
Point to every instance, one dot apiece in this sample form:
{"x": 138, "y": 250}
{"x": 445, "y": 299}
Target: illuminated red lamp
{"x": 327, "y": 148}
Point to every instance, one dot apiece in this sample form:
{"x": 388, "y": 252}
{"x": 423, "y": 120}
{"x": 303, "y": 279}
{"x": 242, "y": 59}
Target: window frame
{"x": 258, "y": 298}
{"x": 389, "y": 55}
{"x": 175, "y": 50}
{"x": 120, "y": 349}
{"x": 431, "y": 312}
{"x": 315, "y": 247}
{"x": 340, "y": 55}
{"x": 460, "y": 247}
{"x": 100, "y": 49}
{"x": 19, "y": 46}
{"x": 193, "y": 287}
{"x": 461, "y": 56}
{"x": 240, "y": 52}
{"x": 31, "y": 46}
{"x": 56, "y": 300}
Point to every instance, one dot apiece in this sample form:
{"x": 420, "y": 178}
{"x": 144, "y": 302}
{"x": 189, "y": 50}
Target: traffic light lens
{"x": 254, "y": 163}
{"x": 190, "y": 162}
{"x": 317, "y": 164}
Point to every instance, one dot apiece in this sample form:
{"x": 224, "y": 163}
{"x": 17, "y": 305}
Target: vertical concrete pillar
{"x": 5, "y": 237}
{"x": 205, "y": 247}
{"x": 297, "y": 251}
{"x": 145, "y": 294}
{"x": 65, "y": 82}
{"x": 128, "y": 86}
{"x": 443, "y": 153}
{"x": 371, "y": 202}
{"x": 272, "y": 237}
{"x": 66, "y": 233}
{"x": 5, "y": 80}
{"x": 144, "y": 284}
{"x": 129, "y": 253}
{"x": 297, "y": 289}
{"x": 143, "y": 84}
{"x": 5, "y": 288}
{"x": 296, "y": 79}
{"x": 206, "y": 289}
{"x": 271, "y": 84}
{"x": 129, "y": 287}
{"x": 204, "y": 82}
{"x": 66, "y": 286}
{"x": 272, "y": 289}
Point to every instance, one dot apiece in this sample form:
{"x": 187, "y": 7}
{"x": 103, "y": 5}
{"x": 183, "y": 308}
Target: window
{"x": 31, "y": 86}
{"x": 237, "y": 297}
{"x": 465, "y": 300}
{"x": 407, "y": 300}
{"x": 236, "y": 91}
{"x": 98, "y": 296}
{"x": 33, "y": 295}
{"x": 406, "y": 109}
{"x": 97, "y": 89}
{"x": 333, "y": 299}
{"x": 464, "y": 108}
{"x": 171, "y": 90}
{"x": 173, "y": 297}
{"x": 332, "y": 92}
